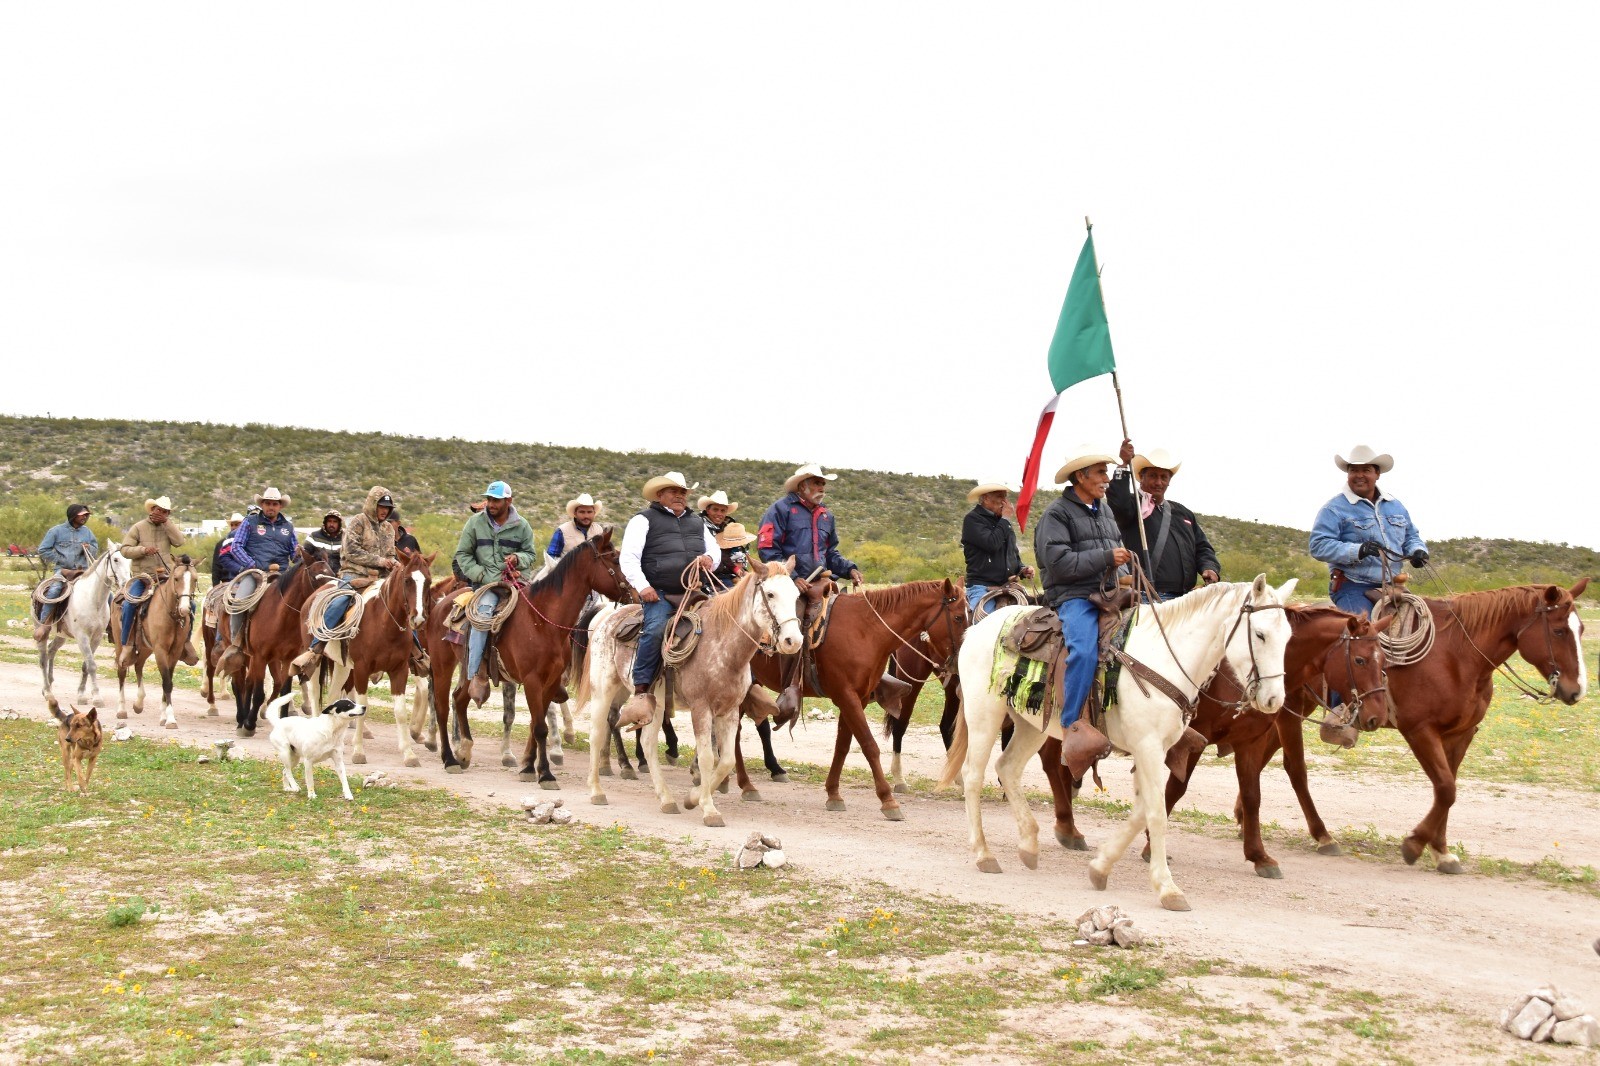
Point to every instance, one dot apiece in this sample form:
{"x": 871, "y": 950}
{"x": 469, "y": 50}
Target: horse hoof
{"x": 412, "y": 760}
{"x": 211, "y": 712}
{"x": 629, "y": 774}
{"x": 431, "y": 745}
{"x": 122, "y": 714}
{"x": 455, "y": 769}
{"x": 671, "y": 807}
{"x": 835, "y": 805}
{"x": 1330, "y": 848}
{"x": 508, "y": 760}
{"x": 1097, "y": 879}
{"x": 367, "y": 734}
{"x": 750, "y": 795}
{"x": 599, "y": 801}
{"x": 550, "y": 785}
{"x": 901, "y": 789}
{"x": 780, "y": 778}
{"x": 894, "y": 814}
{"x": 1449, "y": 865}
{"x": 1271, "y": 871}
{"x": 1072, "y": 842}
{"x": 557, "y": 759}
{"x": 670, "y": 760}
{"x": 688, "y": 801}
{"x": 169, "y": 725}
{"x": 527, "y": 775}
{"x": 714, "y": 821}
{"x": 359, "y": 758}
{"x": 1030, "y": 859}
{"x": 1410, "y": 851}
{"x": 1145, "y": 854}
{"x": 989, "y": 866}
{"x": 1175, "y": 902}
{"x": 605, "y": 771}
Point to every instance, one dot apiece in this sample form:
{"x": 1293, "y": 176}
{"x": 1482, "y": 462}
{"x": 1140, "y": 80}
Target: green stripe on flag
{"x": 1081, "y": 348}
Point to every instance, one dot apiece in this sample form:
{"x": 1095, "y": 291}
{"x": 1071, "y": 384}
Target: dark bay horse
{"x": 864, "y": 630}
{"x": 161, "y": 633}
{"x": 274, "y": 638}
{"x": 535, "y": 649}
{"x": 1438, "y": 703}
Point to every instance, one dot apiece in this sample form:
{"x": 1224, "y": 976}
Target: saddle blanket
{"x": 1028, "y": 685}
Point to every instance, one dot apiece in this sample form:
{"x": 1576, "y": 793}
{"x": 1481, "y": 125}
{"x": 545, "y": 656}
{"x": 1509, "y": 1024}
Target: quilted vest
{"x": 674, "y": 541}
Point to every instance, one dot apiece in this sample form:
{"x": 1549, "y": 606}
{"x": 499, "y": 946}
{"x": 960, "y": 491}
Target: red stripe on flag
{"x": 1030, "y": 470}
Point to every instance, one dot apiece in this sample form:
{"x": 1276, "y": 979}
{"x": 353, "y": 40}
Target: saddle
{"x": 630, "y": 623}
{"x": 1010, "y": 594}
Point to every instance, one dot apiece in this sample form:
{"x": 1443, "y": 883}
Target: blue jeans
{"x": 1352, "y": 598}
{"x": 974, "y": 594}
{"x": 647, "y": 657}
{"x": 46, "y": 610}
{"x": 478, "y": 639}
{"x": 335, "y": 611}
{"x": 247, "y": 586}
{"x": 1080, "y": 623}
{"x": 136, "y": 587}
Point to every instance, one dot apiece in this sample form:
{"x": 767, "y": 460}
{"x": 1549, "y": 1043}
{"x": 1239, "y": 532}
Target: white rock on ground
{"x": 774, "y": 858}
{"x": 1529, "y": 1018}
{"x": 1583, "y": 1031}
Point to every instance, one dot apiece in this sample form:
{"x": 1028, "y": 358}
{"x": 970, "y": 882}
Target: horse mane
{"x": 1482, "y": 612}
{"x": 896, "y": 595}
{"x": 1311, "y": 612}
{"x": 1182, "y": 609}
{"x": 556, "y": 579}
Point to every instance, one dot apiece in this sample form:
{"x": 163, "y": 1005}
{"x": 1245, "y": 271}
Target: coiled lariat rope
{"x": 676, "y": 652}
{"x": 496, "y": 618}
{"x": 1410, "y": 636}
{"x": 236, "y": 603}
{"x": 344, "y": 629}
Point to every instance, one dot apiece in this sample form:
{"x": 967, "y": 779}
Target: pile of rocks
{"x": 1546, "y": 1015}
{"x": 9, "y": 715}
{"x": 1105, "y": 926}
{"x": 546, "y": 812}
{"x": 224, "y": 752}
{"x": 762, "y": 850}
{"x": 377, "y": 779}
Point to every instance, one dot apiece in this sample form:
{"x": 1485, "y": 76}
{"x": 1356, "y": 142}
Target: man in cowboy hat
{"x": 149, "y": 545}
{"x": 366, "y": 551}
{"x": 328, "y": 538}
{"x": 495, "y": 544}
{"x": 262, "y": 541}
{"x": 582, "y": 511}
{"x": 990, "y": 542}
{"x": 223, "y": 568}
{"x": 1179, "y": 553}
{"x": 1080, "y": 551}
{"x": 658, "y": 545}
{"x": 718, "y": 513}
{"x": 733, "y": 539}
{"x": 1363, "y": 532}
{"x": 69, "y": 545}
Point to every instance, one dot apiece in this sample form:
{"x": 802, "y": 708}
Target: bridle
{"x": 942, "y": 669}
{"x": 1541, "y": 613}
{"x": 1357, "y": 696}
{"x": 605, "y": 564}
{"x": 1252, "y": 684}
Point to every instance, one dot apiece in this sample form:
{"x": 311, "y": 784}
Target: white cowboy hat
{"x": 160, "y": 501}
{"x": 1361, "y": 455}
{"x": 809, "y": 470}
{"x": 671, "y": 479}
{"x": 716, "y": 497}
{"x": 272, "y": 494}
{"x": 983, "y": 488}
{"x": 1078, "y": 458}
{"x": 583, "y": 499}
{"x": 734, "y": 535}
{"x": 236, "y": 519}
{"x": 1159, "y": 458}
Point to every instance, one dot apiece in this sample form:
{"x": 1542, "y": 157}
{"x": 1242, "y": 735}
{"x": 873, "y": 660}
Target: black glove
{"x": 1369, "y": 548}
{"x": 1419, "y": 558}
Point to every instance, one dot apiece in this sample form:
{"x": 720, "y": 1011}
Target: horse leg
{"x": 402, "y": 715}
{"x": 552, "y": 722}
{"x": 952, "y": 710}
{"x": 169, "y": 717}
{"x": 1177, "y": 786}
{"x": 208, "y": 683}
{"x": 857, "y": 715}
{"x": 983, "y": 718}
{"x": 461, "y": 725}
{"x": 671, "y": 736}
{"x": 747, "y": 791}
{"x": 569, "y": 733}
{"x": 439, "y": 694}
{"x": 47, "y": 662}
{"x": 725, "y": 729}
{"x": 638, "y": 753}
{"x": 358, "y": 752}
{"x": 88, "y": 645}
{"x": 1149, "y": 770}
{"x": 625, "y": 769}
{"x": 1290, "y": 733}
{"x": 599, "y": 741}
{"x": 705, "y": 760}
{"x": 1149, "y": 751}
{"x": 769, "y": 757}
{"x": 1429, "y": 749}
{"x": 1062, "y": 793}
{"x": 508, "y": 718}
{"x": 1248, "y": 764}
{"x": 541, "y": 726}
{"x": 649, "y": 761}
{"x": 897, "y": 736}
{"x": 1455, "y": 749}
{"x": 841, "y": 748}
{"x": 138, "y": 677}
{"x": 1025, "y": 744}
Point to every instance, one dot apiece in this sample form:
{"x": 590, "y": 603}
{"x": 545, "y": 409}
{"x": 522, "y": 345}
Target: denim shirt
{"x": 1347, "y": 520}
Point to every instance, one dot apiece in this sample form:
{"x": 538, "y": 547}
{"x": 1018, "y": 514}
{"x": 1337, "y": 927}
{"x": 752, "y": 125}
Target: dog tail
{"x": 274, "y": 709}
{"x": 59, "y": 715}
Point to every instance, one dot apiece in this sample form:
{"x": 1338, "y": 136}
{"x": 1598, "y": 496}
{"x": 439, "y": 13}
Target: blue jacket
{"x": 63, "y": 546}
{"x": 259, "y": 543}
{"x": 1347, "y": 520}
{"x": 791, "y": 528}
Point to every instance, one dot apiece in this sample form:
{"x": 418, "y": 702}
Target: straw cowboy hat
{"x": 1078, "y": 458}
{"x": 734, "y": 535}
{"x": 1159, "y": 458}
{"x": 716, "y": 497}
{"x": 272, "y": 494}
{"x": 983, "y": 488}
{"x": 670, "y": 480}
{"x": 236, "y": 519}
{"x": 1361, "y": 455}
{"x": 160, "y": 501}
{"x": 809, "y": 470}
{"x": 583, "y": 499}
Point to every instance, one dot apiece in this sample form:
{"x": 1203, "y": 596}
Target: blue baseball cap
{"x": 498, "y": 490}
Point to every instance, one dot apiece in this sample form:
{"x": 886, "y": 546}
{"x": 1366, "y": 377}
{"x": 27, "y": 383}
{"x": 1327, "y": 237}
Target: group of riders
{"x": 1114, "y": 516}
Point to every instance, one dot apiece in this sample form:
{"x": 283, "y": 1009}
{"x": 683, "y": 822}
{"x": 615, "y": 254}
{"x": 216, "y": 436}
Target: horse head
{"x": 1355, "y": 668}
{"x": 1257, "y": 640}
{"x": 775, "y": 589}
{"x": 414, "y": 575}
{"x": 119, "y": 568}
{"x": 183, "y": 584}
{"x": 606, "y": 577}
{"x": 1552, "y": 641}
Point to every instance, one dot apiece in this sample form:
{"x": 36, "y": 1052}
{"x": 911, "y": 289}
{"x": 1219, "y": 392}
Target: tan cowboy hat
{"x": 1159, "y": 458}
{"x": 983, "y": 488}
{"x": 272, "y": 494}
{"x": 734, "y": 535}
{"x": 236, "y": 519}
{"x": 671, "y": 479}
{"x": 160, "y": 501}
{"x": 809, "y": 470}
{"x": 583, "y": 499}
{"x": 716, "y": 497}
{"x": 1078, "y": 458}
{"x": 1361, "y": 455}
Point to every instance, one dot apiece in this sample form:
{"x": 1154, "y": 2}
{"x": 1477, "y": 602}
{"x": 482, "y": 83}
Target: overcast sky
{"x": 838, "y": 232}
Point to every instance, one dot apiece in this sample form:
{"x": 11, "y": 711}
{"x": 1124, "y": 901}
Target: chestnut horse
{"x": 864, "y": 630}
{"x": 1438, "y": 702}
{"x": 162, "y": 632}
{"x": 534, "y": 648}
{"x": 275, "y": 637}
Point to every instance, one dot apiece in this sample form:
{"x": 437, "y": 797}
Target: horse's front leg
{"x": 1025, "y": 744}
{"x": 508, "y": 718}
{"x": 747, "y": 791}
{"x": 649, "y": 761}
{"x": 671, "y": 736}
{"x": 897, "y": 737}
{"x": 851, "y": 710}
{"x": 705, "y": 760}
{"x": 552, "y": 727}
{"x": 398, "y": 681}
{"x": 725, "y": 729}
{"x": 1062, "y": 793}
{"x": 47, "y": 660}
{"x": 358, "y": 751}
{"x": 1149, "y": 771}
{"x": 769, "y": 757}
{"x": 169, "y": 717}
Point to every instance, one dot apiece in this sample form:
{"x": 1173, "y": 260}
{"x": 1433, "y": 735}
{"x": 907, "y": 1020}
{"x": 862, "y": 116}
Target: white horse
{"x": 1237, "y": 622}
{"x": 87, "y": 612}
{"x": 759, "y": 608}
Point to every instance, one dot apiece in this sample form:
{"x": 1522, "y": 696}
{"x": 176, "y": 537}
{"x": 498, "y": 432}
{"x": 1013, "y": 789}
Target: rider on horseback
{"x": 495, "y": 544}
{"x": 658, "y": 545}
{"x": 1166, "y": 522}
{"x": 367, "y": 552}
{"x": 149, "y": 545}
{"x": 718, "y": 513}
{"x": 328, "y": 538}
{"x": 223, "y": 568}
{"x": 261, "y": 541}
{"x": 1357, "y": 528}
{"x": 990, "y": 543}
{"x": 582, "y": 512}
{"x": 71, "y": 545}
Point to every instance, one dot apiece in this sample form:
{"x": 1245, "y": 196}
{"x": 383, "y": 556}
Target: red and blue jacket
{"x": 791, "y": 528}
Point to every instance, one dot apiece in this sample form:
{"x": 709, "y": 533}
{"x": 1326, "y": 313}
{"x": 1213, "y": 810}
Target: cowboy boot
{"x": 1082, "y": 747}
{"x": 303, "y": 662}
{"x": 789, "y": 692}
{"x": 40, "y": 632}
{"x": 640, "y": 708}
{"x": 478, "y": 687}
{"x": 125, "y": 656}
{"x": 1189, "y": 746}
{"x": 891, "y": 695}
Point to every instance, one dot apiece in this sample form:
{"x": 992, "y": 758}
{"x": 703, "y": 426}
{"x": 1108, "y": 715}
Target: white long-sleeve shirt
{"x": 633, "y": 538}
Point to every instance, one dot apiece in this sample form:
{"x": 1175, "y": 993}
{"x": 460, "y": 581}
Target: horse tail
{"x": 956, "y": 755}
{"x": 275, "y": 708}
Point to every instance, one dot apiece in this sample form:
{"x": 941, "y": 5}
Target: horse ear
{"x": 1259, "y": 586}
{"x": 1552, "y": 594}
{"x": 430, "y": 558}
{"x": 788, "y": 565}
{"x": 1286, "y": 589}
{"x": 1577, "y": 590}
{"x": 1381, "y": 624}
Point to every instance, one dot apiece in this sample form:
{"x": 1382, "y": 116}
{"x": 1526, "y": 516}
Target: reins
{"x": 944, "y": 612}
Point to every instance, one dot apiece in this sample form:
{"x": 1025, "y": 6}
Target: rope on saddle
{"x": 343, "y": 629}
{"x": 235, "y": 602}
{"x": 676, "y": 651}
{"x": 44, "y": 599}
{"x": 1011, "y": 594}
{"x": 501, "y": 611}
{"x": 151, "y": 583}
{"x": 1409, "y": 637}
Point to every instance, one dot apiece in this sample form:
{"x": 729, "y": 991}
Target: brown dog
{"x": 81, "y": 738}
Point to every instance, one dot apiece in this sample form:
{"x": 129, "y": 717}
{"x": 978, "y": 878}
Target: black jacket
{"x": 1187, "y": 553}
{"x": 1073, "y": 546}
{"x": 990, "y": 544}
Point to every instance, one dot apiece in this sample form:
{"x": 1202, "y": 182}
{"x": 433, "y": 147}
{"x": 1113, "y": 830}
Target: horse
{"x": 915, "y": 666}
{"x": 162, "y": 632}
{"x": 88, "y": 610}
{"x": 382, "y": 644}
{"x": 1438, "y": 702}
{"x": 864, "y": 630}
{"x": 533, "y": 649}
{"x": 274, "y": 638}
{"x": 712, "y": 682}
{"x": 1183, "y": 639}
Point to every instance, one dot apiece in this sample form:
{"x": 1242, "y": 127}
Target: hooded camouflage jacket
{"x": 367, "y": 540}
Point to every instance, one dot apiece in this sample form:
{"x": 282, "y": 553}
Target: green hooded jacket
{"x": 481, "y": 552}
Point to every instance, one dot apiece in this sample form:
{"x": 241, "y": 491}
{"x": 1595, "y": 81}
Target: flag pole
{"x": 1122, "y": 415}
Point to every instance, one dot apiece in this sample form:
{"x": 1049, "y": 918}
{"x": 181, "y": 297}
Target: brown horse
{"x": 534, "y": 648}
{"x": 162, "y": 633}
{"x": 274, "y": 638}
{"x": 864, "y": 630}
{"x": 915, "y": 666}
{"x": 1438, "y": 702}
{"x": 382, "y": 644}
